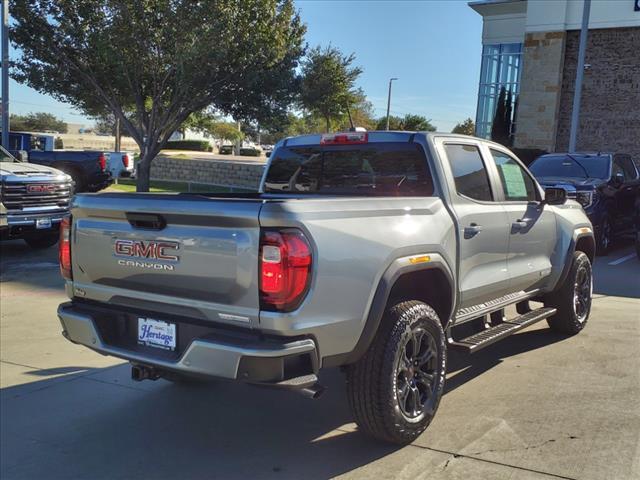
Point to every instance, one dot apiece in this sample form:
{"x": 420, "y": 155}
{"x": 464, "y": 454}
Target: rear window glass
{"x": 378, "y": 169}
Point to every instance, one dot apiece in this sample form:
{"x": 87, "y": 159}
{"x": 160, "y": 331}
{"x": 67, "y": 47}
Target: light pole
{"x": 575, "y": 113}
{"x": 5, "y": 73}
{"x": 389, "y": 101}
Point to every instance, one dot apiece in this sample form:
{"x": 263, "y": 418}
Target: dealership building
{"x": 530, "y": 49}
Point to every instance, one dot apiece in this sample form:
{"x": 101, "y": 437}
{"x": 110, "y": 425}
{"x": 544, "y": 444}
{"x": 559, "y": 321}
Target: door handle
{"x": 472, "y": 230}
{"x": 518, "y": 224}
{"x": 146, "y": 221}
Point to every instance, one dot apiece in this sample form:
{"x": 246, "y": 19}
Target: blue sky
{"x": 432, "y": 46}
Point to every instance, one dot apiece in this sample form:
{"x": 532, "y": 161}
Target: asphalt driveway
{"x": 535, "y": 406}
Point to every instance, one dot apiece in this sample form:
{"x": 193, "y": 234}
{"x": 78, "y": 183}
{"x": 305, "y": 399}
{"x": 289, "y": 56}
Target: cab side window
{"x": 469, "y": 172}
{"x": 517, "y": 184}
{"x": 625, "y": 165}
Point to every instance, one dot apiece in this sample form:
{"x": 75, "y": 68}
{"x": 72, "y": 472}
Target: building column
{"x": 541, "y": 82}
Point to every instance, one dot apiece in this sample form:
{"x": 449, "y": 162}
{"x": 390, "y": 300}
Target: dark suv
{"x": 605, "y": 184}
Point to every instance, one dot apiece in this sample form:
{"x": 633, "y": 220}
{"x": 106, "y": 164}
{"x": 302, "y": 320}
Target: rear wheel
{"x": 573, "y": 298}
{"x": 76, "y": 176}
{"x": 42, "y": 241}
{"x": 395, "y": 388}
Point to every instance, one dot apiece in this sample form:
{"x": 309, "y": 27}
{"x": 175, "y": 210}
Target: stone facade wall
{"x": 213, "y": 172}
{"x": 540, "y": 83}
{"x": 610, "y": 103}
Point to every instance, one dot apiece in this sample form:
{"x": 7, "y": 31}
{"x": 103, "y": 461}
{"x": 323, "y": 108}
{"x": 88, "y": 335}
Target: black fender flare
{"x": 400, "y": 266}
{"x": 578, "y": 234}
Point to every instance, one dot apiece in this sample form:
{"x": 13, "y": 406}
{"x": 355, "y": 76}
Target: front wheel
{"x": 573, "y": 298}
{"x": 42, "y": 241}
{"x": 395, "y": 388}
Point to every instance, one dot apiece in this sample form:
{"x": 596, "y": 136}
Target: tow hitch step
{"x": 491, "y": 335}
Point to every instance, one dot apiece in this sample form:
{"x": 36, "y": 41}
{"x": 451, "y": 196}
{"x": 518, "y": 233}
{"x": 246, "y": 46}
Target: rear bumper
{"x": 249, "y": 358}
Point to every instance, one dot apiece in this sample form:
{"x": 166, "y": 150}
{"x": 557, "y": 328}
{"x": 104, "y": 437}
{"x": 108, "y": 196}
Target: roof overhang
{"x": 499, "y": 7}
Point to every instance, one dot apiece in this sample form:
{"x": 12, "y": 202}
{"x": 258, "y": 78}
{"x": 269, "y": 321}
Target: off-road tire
{"x": 373, "y": 381}
{"x": 567, "y": 319}
{"x": 42, "y": 241}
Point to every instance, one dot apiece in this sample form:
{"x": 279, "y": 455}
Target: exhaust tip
{"x": 313, "y": 392}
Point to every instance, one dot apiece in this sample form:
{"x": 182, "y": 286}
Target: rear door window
{"x": 469, "y": 172}
{"x": 375, "y": 169}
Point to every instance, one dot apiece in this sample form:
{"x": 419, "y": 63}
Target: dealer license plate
{"x": 42, "y": 223}
{"x": 155, "y": 333}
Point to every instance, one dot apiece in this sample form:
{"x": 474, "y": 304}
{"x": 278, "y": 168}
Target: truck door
{"x": 532, "y": 225}
{"x": 626, "y": 193}
{"x": 481, "y": 222}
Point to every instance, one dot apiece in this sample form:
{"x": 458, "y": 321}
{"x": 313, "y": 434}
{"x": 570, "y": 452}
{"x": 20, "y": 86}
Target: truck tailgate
{"x": 176, "y": 254}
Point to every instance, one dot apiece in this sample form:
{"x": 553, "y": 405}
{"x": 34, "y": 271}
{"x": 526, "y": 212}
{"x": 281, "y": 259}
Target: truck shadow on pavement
{"x": 97, "y": 423}
{"x": 36, "y": 268}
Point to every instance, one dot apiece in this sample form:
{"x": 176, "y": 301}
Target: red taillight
{"x": 285, "y": 269}
{"x": 125, "y": 160}
{"x": 346, "y": 138}
{"x": 64, "y": 248}
{"x": 102, "y": 161}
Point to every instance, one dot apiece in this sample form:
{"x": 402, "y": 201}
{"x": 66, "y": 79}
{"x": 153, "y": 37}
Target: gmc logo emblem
{"x": 150, "y": 249}
{"x": 49, "y": 188}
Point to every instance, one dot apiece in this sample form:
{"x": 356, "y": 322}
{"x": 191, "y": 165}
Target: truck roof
{"x": 373, "y": 136}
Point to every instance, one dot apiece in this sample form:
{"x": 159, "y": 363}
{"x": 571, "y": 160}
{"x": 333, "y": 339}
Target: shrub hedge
{"x": 196, "y": 145}
{"x": 250, "y": 152}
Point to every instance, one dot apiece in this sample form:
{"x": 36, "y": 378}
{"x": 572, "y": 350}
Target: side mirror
{"x": 22, "y": 156}
{"x": 617, "y": 179}
{"x": 555, "y": 196}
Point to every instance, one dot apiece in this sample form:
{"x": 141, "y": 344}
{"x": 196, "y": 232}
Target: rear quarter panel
{"x": 354, "y": 240}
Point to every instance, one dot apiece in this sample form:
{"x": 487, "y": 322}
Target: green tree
{"x": 410, "y": 122}
{"x": 395, "y": 123}
{"x": 328, "y": 83}
{"x": 466, "y": 127}
{"x": 417, "y": 123}
{"x": 226, "y": 131}
{"x": 362, "y": 113}
{"x": 162, "y": 60}
{"x": 37, "y": 122}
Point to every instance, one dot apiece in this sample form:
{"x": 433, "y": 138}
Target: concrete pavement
{"x": 535, "y": 406}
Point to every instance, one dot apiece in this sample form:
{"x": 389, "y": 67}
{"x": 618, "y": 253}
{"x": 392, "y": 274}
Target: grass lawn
{"x": 128, "y": 185}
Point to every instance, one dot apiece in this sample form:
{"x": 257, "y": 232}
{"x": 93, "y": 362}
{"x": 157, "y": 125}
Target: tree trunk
{"x": 143, "y": 174}
{"x": 238, "y": 143}
{"x": 328, "y": 124}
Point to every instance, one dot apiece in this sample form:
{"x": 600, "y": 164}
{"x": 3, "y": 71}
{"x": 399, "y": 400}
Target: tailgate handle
{"x": 146, "y": 221}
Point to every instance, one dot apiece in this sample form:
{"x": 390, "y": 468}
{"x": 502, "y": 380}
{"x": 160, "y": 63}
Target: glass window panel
{"x": 469, "y": 173}
{"x": 501, "y": 66}
{"x": 517, "y": 185}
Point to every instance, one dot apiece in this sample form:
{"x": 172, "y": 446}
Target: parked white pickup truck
{"x": 120, "y": 164}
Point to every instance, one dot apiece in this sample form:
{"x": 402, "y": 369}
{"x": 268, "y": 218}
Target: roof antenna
{"x": 353, "y": 128}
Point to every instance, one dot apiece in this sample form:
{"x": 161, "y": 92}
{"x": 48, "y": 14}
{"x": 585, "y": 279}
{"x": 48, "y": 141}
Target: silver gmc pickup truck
{"x": 33, "y": 201}
{"x": 373, "y": 251}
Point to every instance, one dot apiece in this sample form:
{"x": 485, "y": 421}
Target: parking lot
{"x": 537, "y": 405}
